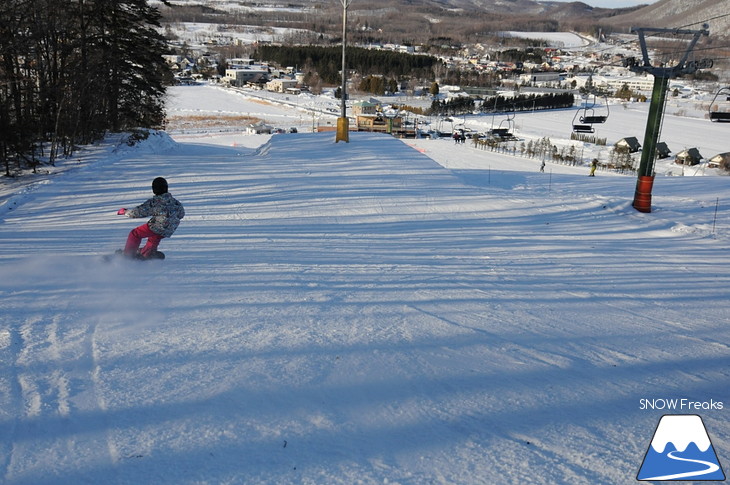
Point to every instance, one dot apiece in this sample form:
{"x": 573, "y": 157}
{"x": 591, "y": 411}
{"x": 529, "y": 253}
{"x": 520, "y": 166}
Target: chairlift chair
{"x": 587, "y": 117}
{"x": 583, "y": 129}
{"x": 580, "y": 125}
{"x": 506, "y": 126}
{"x": 593, "y": 118}
{"x": 501, "y": 133}
{"x": 719, "y": 115}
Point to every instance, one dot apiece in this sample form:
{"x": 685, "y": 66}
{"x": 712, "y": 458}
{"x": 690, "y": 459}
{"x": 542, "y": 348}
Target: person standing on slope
{"x": 166, "y": 213}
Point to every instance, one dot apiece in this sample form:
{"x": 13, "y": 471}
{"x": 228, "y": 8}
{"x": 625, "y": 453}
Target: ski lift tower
{"x": 343, "y": 124}
{"x": 662, "y": 74}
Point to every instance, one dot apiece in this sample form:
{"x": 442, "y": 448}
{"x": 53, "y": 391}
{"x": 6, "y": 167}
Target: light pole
{"x": 343, "y": 124}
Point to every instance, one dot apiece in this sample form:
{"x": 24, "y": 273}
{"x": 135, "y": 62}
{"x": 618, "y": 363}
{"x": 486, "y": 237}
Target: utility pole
{"x": 343, "y": 124}
{"x": 662, "y": 75}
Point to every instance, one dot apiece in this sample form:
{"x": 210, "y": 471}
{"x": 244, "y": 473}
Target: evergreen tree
{"x": 72, "y": 69}
{"x": 434, "y": 91}
{"x": 624, "y": 93}
{"x": 129, "y": 51}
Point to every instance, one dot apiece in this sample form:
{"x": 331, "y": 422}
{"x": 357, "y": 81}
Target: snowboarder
{"x": 166, "y": 212}
{"x": 594, "y": 166}
{"x": 542, "y": 167}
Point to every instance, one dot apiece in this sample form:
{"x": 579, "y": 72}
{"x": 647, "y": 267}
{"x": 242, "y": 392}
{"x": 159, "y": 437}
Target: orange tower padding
{"x": 642, "y": 197}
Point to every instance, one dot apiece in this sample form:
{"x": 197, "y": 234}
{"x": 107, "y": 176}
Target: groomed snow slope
{"x": 355, "y": 313}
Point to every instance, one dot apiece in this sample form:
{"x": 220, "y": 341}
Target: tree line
{"x": 501, "y": 104}
{"x": 327, "y": 61}
{"x": 528, "y": 102}
{"x": 378, "y": 85}
{"x": 454, "y": 106}
{"x": 72, "y": 69}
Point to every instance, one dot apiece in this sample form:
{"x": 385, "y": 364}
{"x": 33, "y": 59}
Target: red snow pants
{"x": 135, "y": 238}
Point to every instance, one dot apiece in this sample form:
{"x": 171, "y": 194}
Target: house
{"x": 662, "y": 150}
{"x": 690, "y": 156}
{"x": 629, "y": 144}
{"x": 721, "y": 160}
{"x": 364, "y": 108}
{"x": 281, "y": 85}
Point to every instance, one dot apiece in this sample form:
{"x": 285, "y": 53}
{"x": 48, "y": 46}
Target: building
{"x": 662, "y": 150}
{"x": 634, "y": 83}
{"x": 364, "y": 108}
{"x": 629, "y": 144}
{"x": 542, "y": 77}
{"x": 380, "y": 124}
{"x": 281, "y": 85}
{"x": 239, "y": 62}
{"x": 721, "y": 160}
{"x": 690, "y": 156}
{"x": 241, "y": 77}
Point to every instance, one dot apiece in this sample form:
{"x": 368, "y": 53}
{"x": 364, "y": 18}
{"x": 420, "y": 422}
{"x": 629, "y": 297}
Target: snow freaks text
{"x": 679, "y": 404}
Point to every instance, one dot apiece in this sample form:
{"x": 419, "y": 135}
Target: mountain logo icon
{"x": 680, "y": 450}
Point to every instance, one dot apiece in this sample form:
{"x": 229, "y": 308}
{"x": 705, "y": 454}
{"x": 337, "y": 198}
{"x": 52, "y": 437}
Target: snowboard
{"x": 119, "y": 254}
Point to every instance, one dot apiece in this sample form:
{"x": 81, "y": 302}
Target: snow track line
{"x": 50, "y": 391}
{"x": 8, "y": 358}
{"x": 643, "y": 316}
{"x": 456, "y": 324}
{"x": 54, "y": 388}
{"x": 94, "y": 352}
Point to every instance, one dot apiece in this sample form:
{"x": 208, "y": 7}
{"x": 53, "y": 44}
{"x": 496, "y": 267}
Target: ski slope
{"x": 355, "y": 313}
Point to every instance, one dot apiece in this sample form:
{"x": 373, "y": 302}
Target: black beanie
{"x": 159, "y": 186}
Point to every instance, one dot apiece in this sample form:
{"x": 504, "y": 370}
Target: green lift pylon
{"x": 662, "y": 75}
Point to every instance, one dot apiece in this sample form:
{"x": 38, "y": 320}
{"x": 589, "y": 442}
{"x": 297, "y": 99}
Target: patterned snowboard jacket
{"x": 166, "y": 212}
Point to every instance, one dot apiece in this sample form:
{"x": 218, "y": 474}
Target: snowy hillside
{"x": 681, "y": 13}
{"x": 374, "y": 312}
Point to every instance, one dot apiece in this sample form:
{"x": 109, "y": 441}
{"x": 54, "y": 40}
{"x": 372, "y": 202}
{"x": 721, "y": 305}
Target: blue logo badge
{"x": 681, "y": 450}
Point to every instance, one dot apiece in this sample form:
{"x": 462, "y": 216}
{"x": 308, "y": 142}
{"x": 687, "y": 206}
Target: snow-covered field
{"x": 685, "y": 125}
{"x": 381, "y": 311}
{"x": 567, "y": 40}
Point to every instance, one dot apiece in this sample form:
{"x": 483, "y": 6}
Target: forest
{"x": 327, "y": 61}
{"x": 501, "y": 104}
{"x": 528, "y": 102}
{"x": 72, "y": 69}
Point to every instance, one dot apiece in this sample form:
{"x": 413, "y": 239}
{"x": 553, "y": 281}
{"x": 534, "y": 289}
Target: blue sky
{"x": 613, "y": 3}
